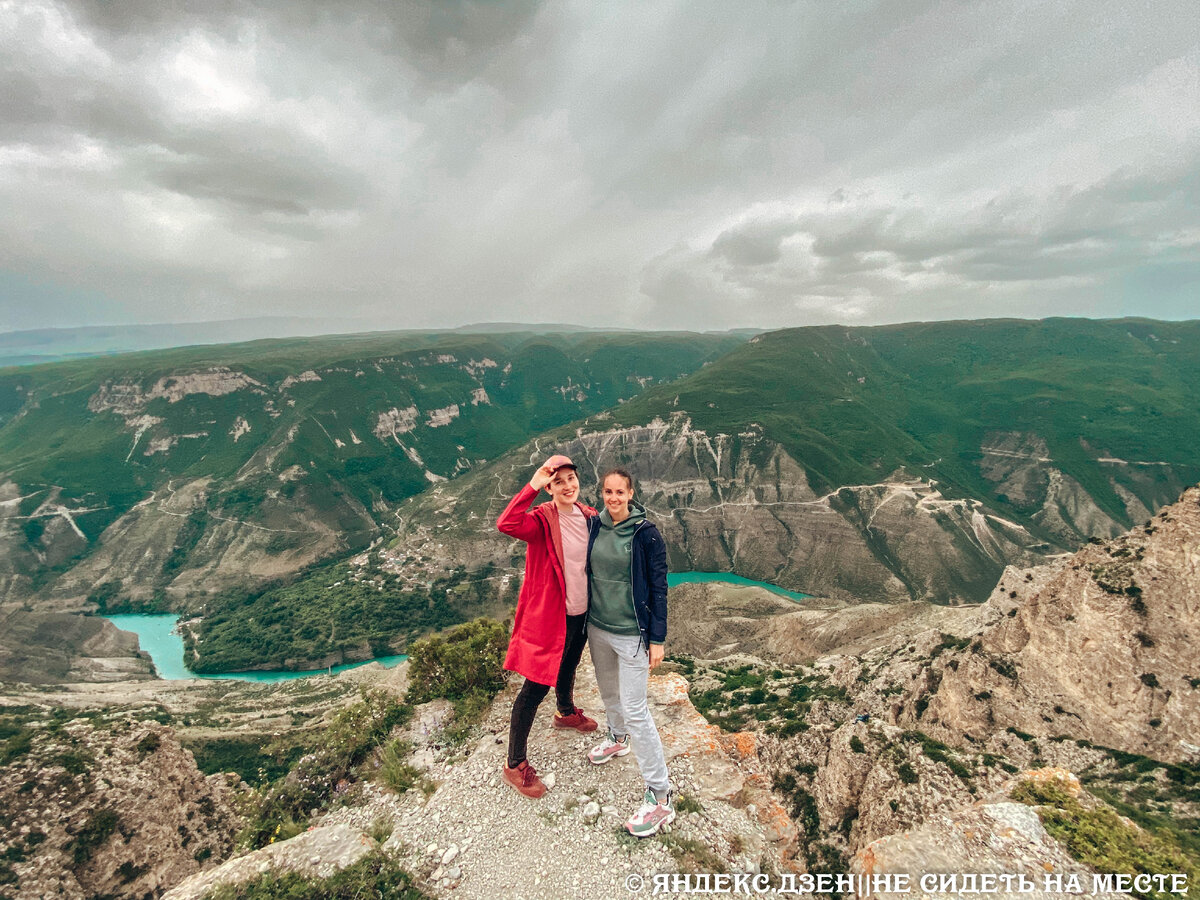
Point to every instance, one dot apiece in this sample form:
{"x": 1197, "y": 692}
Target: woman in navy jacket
{"x": 627, "y": 625}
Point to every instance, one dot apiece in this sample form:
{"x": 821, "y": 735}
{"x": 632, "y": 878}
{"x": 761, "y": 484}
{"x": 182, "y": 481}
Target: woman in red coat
{"x": 549, "y": 630}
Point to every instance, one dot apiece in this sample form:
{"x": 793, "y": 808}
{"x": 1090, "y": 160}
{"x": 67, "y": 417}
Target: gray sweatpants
{"x": 621, "y": 673}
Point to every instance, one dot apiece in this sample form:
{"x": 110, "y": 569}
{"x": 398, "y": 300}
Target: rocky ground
{"x": 906, "y": 757}
{"x": 110, "y": 807}
{"x": 477, "y": 836}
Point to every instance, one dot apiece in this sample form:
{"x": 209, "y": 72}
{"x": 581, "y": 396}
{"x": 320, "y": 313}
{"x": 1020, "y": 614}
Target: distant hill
{"x": 29, "y": 347}
{"x": 152, "y": 478}
{"x": 986, "y": 409}
{"x": 42, "y": 345}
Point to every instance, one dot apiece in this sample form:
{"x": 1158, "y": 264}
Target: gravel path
{"x": 478, "y": 838}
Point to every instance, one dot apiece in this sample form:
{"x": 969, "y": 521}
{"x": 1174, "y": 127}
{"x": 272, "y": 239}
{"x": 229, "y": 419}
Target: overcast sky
{"x": 694, "y": 164}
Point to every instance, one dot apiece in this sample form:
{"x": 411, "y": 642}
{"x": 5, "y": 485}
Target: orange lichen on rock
{"x": 741, "y": 744}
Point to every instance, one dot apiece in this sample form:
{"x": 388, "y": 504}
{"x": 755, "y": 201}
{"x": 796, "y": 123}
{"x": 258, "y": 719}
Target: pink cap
{"x": 559, "y": 461}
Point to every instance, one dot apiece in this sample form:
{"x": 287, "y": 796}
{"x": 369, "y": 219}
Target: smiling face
{"x": 564, "y": 487}
{"x": 617, "y": 494}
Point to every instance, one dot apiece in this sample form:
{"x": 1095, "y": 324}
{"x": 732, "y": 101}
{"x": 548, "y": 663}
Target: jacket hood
{"x": 637, "y": 515}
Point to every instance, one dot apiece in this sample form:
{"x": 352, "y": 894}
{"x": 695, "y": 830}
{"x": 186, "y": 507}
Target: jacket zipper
{"x": 632, "y": 600}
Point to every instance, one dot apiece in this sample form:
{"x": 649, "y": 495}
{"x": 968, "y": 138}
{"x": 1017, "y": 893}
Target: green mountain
{"x": 168, "y": 477}
{"x": 1114, "y": 404}
{"x": 865, "y": 464}
{"x": 857, "y": 464}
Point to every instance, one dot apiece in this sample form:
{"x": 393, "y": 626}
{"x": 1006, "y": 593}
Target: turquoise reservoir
{"x": 156, "y": 635}
{"x": 675, "y": 578}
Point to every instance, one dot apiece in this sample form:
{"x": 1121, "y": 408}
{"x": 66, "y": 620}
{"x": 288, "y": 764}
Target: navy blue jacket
{"x": 648, "y": 574}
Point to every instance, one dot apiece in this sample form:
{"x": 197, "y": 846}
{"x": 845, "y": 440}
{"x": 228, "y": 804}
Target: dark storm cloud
{"x": 698, "y": 164}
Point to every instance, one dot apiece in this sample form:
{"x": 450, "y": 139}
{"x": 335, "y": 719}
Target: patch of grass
{"x": 255, "y": 763}
{"x": 906, "y": 773}
{"x": 1100, "y": 838}
{"x": 96, "y": 830}
{"x": 381, "y": 829}
{"x": 397, "y": 774}
{"x": 376, "y": 876}
{"x": 74, "y": 761}
{"x": 16, "y": 746}
{"x": 346, "y": 742}
{"x": 686, "y": 803}
{"x": 691, "y": 855}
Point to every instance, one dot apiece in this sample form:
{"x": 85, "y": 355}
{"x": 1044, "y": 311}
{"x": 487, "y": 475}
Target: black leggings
{"x": 532, "y": 693}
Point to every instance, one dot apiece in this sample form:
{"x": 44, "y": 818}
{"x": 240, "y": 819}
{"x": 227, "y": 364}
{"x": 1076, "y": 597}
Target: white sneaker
{"x": 602, "y": 753}
{"x": 651, "y": 815}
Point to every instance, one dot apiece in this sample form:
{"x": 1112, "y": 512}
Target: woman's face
{"x": 617, "y": 496}
{"x": 564, "y": 487}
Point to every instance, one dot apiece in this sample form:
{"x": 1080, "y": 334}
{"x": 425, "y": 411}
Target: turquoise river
{"x": 158, "y": 637}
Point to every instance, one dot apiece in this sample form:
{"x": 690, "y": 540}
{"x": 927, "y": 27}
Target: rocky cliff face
{"x": 716, "y": 620}
{"x": 902, "y": 742}
{"x": 46, "y": 647}
{"x": 110, "y": 809}
{"x": 1099, "y": 645}
{"x": 740, "y": 503}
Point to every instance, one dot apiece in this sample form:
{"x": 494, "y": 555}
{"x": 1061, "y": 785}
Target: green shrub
{"x": 98, "y": 829}
{"x": 458, "y": 661}
{"x": 1004, "y": 667}
{"x": 857, "y": 745}
{"x": 374, "y": 876}
{"x": 1100, "y": 838}
{"x": 148, "y": 744}
{"x": 464, "y": 665}
{"x": 938, "y": 752}
{"x": 351, "y": 735}
{"x": 16, "y": 747}
{"x": 907, "y": 773}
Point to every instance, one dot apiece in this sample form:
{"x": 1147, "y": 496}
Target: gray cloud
{"x": 669, "y": 164}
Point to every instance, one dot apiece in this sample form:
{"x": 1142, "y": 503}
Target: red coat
{"x": 540, "y": 627}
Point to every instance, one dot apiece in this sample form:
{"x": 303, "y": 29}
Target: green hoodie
{"x": 611, "y": 606}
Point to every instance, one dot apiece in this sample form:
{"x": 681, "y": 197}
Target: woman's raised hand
{"x": 541, "y": 477}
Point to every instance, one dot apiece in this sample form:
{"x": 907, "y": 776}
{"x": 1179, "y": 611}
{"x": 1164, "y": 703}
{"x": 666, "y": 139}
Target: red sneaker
{"x": 525, "y": 779}
{"x": 576, "y": 720}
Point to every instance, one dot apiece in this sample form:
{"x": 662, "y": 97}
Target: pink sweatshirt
{"x": 574, "y": 548}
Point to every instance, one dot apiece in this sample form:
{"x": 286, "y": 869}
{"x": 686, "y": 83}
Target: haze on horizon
{"x": 698, "y": 165}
